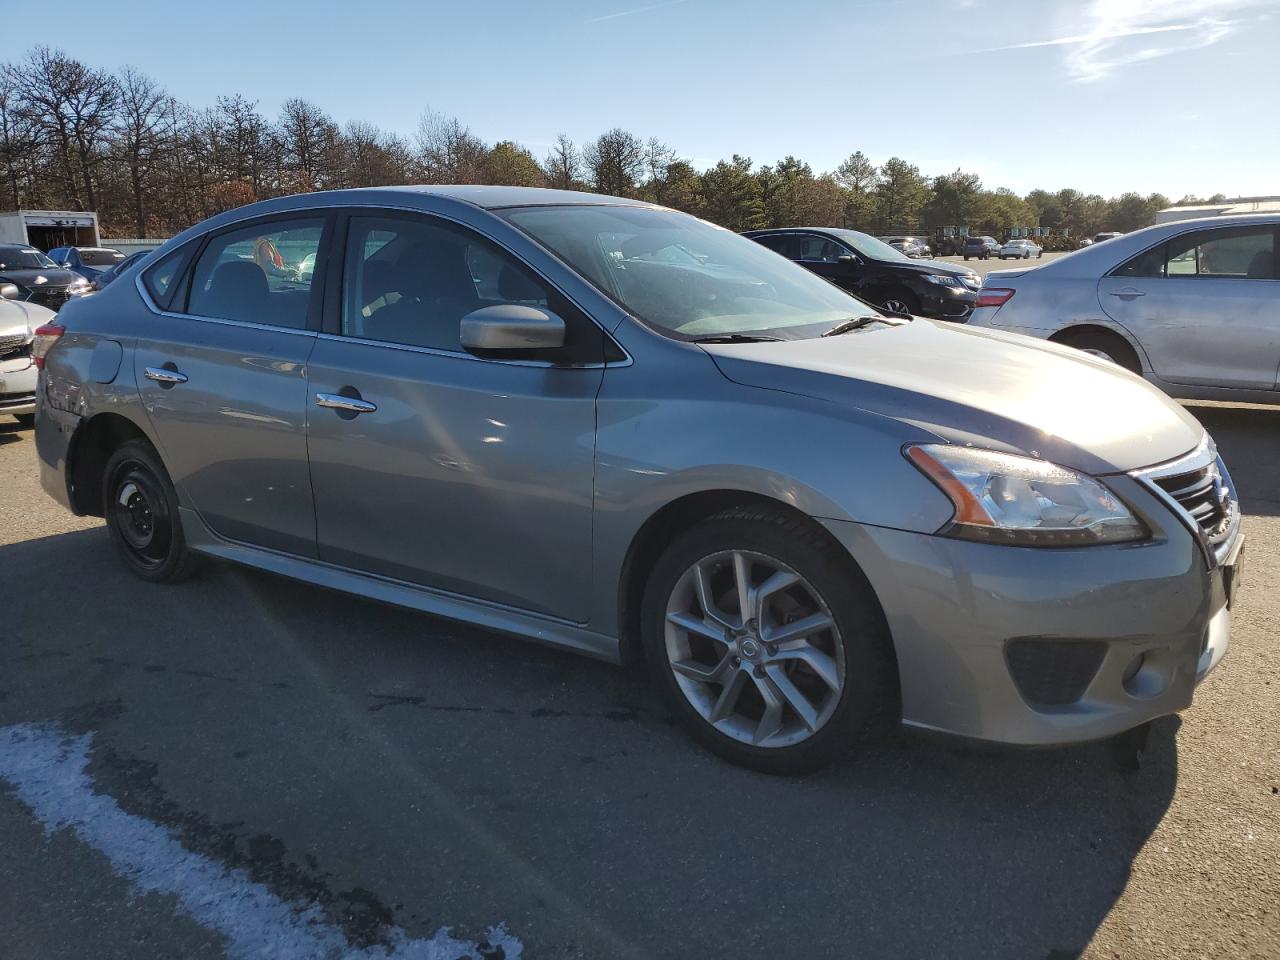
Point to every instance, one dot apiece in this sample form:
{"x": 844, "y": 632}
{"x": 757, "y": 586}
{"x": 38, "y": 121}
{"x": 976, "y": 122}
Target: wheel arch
{"x": 1101, "y": 329}
{"x": 672, "y": 519}
{"x": 91, "y": 446}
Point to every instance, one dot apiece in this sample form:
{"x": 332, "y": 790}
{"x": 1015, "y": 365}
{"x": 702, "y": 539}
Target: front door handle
{"x": 336, "y": 401}
{"x": 1128, "y": 293}
{"x": 165, "y": 375}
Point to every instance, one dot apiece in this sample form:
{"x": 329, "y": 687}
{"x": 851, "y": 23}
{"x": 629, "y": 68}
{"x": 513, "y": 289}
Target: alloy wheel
{"x": 896, "y": 306}
{"x": 754, "y": 649}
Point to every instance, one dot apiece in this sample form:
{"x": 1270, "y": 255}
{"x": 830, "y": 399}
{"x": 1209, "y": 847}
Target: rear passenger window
{"x": 820, "y": 249}
{"x": 161, "y": 278}
{"x": 258, "y": 274}
{"x": 778, "y": 243}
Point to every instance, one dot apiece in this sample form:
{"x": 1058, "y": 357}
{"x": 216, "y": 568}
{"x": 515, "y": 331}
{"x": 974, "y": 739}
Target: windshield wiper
{"x": 737, "y": 338}
{"x": 854, "y": 323}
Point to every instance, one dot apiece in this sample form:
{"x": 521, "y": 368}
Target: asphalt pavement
{"x": 243, "y": 766}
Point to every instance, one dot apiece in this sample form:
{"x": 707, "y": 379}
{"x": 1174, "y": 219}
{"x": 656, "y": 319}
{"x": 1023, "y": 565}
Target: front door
{"x": 223, "y": 380}
{"x": 430, "y": 465}
{"x": 1205, "y": 306}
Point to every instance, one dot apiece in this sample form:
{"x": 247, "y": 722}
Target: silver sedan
{"x": 617, "y": 429}
{"x": 1020, "y": 250}
{"x": 1193, "y": 306}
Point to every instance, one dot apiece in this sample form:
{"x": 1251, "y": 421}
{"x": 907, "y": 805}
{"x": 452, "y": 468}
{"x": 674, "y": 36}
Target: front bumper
{"x": 948, "y": 303}
{"x": 17, "y": 386}
{"x": 957, "y": 612}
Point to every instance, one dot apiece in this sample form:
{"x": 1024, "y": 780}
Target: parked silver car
{"x": 1193, "y": 306}
{"x": 1020, "y": 250}
{"x": 19, "y": 321}
{"x": 614, "y": 428}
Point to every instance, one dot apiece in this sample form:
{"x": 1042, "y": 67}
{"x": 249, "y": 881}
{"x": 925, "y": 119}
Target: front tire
{"x": 141, "y": 508}
{"x": 1104, "y": 345}
{"x": 767, "y": 641}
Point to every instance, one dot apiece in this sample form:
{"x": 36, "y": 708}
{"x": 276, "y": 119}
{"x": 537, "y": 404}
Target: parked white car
{"x": 18, "y": 322}
{"x": 1020, "y": 250}
{"x": 1193, "y": 306}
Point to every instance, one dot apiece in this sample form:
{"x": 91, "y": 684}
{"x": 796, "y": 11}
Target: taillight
{"x": 994, "y": 296}
{"x": 45, "y": 337}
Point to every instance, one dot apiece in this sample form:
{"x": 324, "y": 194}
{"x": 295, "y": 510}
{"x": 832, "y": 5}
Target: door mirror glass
{"x": 9, "y": 291}
{"x": 511, "y": 329}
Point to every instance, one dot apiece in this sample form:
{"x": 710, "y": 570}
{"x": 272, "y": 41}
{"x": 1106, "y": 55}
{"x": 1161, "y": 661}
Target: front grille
{"x": 50, "y": 296}
{"x": 14, "y": 345}
{"x": 1053, "y": 673}
{"x": 1205, "y": 498}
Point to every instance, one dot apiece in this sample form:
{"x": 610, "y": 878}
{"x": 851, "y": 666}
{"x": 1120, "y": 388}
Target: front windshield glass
{"x": 24, "y": 258}
{"x": 869, "y": 246}
{"x": 686, "y": 277}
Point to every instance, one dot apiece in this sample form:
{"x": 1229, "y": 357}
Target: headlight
{"x": 1003, "y": 498}
{"x": 78, "y": 284}
{"x": 942, "y": 280}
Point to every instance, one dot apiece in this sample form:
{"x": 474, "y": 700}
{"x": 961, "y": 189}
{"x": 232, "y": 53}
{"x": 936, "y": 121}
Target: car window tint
{"x": 1149, "y": 263}
{"x": 778, "y": 243}
{"x": 161, "y": 277}
{"x": 411, "y": 281}
{"x": 258, "y": 274}
{"x": 1240, "y": 253}
{"x": 813, "y": 247}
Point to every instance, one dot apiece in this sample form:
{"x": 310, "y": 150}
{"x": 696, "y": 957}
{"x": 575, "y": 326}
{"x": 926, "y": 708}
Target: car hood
{"x": 978, "y": 386}
{"x": 57, "y": 276}
{"x": 932, "y": 266}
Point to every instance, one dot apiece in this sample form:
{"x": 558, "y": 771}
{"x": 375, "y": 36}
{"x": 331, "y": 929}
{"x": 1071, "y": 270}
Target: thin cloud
{"x": 632, "y": 13}
{"x": 1174, "y": 26}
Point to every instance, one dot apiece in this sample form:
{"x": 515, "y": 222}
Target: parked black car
{"x": 981, "y": 247}
{"x": 39, "y": 279}
{"x": 876, "y": 272}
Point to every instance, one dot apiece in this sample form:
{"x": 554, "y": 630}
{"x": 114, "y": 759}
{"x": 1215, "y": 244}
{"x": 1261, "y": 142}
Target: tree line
{"x": 74, "y": 136}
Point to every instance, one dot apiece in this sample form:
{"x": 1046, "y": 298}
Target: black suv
{"x": 38, "y": 278}
{"x": 876, "y": 272}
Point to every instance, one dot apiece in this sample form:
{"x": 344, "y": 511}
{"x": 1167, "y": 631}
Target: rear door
{"x": 473, "y": 476}
{"x": 1205, "y": 306}
{"x": 223, "y": 379}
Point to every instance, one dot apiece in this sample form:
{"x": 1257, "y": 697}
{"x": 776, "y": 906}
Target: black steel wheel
{"x": 141, "y": 509}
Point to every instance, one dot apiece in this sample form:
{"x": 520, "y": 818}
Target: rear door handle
{"x": 165, "y": 375}
{"x": 1128, "y": 293}
{"x": 336, "y": 401}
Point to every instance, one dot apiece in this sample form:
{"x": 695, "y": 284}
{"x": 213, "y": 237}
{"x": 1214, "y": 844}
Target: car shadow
{"x": 1247, "y": 437}
{"x": 12, "y": 431}
{"x": 397, "y": 768}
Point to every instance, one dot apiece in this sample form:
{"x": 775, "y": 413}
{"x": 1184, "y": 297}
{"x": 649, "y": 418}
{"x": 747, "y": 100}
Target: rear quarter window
{"x": 161, "y": 278}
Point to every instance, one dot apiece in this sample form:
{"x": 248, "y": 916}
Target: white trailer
{"x": 46, "y": 229}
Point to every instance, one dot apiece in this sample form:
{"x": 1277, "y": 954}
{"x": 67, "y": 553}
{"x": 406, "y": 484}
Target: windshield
{"x": 688, "y": 278}
{"x": 100, "y": 258}
{"x": 24, "y": 258}
{"x": 869, "y": 246}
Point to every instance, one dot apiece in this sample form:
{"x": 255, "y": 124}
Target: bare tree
{"x": 563, "y": 164}
{"x": 309, "y": 139}
{"x": 372, "y": 158}
{"x": 139, "y": 136}
{"x": 615, "y": 162}
{"x": 17, "y": 143}
{"x": 449, "y": 151}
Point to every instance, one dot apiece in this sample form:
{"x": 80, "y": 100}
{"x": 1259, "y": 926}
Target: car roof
{"x": 494, "y": 198}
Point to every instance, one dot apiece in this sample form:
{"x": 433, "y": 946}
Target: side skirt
{"x": 491, "y": 616}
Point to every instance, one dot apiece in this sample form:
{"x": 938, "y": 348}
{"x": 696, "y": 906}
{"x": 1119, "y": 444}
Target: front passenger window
{"x": 820, "y": 249}
{"x": 1236, "y": 253}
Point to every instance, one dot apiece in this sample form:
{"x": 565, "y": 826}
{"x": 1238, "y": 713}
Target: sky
{"x": 1175, "y": 96}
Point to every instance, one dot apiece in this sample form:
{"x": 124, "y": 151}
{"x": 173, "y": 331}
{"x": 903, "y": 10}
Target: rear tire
{"x": 26, "y": 419}
{"x": 788, "y": 705}
{"x": 1105, "y": 345}
{"x": 141, "y": 508}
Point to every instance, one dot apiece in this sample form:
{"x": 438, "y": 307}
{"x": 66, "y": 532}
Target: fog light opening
{"x": 1132, "y": 670}
{"x": 1148, "y": 674}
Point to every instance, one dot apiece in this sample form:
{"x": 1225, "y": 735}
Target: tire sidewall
{"x": 848, "y": 597}
{"x": 144, "y": 456}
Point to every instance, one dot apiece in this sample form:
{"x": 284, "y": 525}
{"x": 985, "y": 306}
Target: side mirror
{"x": 66, "y": 264}
{"x": 9, "y": 291}
{"x": 511, "y": 329}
